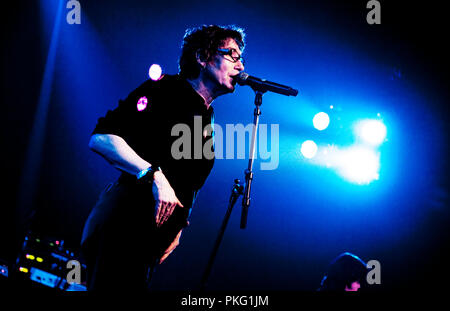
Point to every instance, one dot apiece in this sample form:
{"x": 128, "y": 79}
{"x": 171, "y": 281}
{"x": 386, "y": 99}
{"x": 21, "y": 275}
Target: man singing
{"x": 138, "y": 220}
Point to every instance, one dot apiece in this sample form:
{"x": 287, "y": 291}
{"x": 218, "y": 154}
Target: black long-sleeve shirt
{"x": 145, "y": 120}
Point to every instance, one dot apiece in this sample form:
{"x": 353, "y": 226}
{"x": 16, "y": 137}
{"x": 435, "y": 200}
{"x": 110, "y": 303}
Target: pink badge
{"x": 142, "y": 103}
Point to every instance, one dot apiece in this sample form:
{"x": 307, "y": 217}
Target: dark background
{"x": 301, "y": 216}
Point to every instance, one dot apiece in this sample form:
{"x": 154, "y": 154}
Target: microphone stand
{"x": 236, "y": 191}
{"x": 248, "y": 171}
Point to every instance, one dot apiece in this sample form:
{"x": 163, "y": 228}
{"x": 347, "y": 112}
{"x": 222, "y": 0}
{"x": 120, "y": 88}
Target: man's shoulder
{"x": 165, "y": 85}
{"x": 166, "y": 81}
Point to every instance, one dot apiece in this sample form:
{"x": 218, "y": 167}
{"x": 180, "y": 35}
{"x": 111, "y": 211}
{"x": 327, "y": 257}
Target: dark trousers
{"x": 121, "y": 243}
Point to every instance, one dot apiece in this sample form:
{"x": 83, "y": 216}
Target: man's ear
{"x": 202, "y": 57}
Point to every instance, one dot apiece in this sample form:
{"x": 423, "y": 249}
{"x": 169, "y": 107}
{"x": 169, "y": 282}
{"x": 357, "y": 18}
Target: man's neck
{"x": 203, "y": 90}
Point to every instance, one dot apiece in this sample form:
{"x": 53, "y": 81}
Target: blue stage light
{"x": 359, "y": 165}
{"x": 372, "y": 132}
{"x": 309, "y": 149}
{"x": 321, "y": 121}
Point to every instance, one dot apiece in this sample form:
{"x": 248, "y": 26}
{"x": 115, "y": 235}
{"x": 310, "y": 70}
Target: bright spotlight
{"x": 309, "y": 149}
{"x": 359, "y": 165}
{"x": 372, "y": 132}
{"x": 321, "y": 121}
{"x": 155, "y": 72}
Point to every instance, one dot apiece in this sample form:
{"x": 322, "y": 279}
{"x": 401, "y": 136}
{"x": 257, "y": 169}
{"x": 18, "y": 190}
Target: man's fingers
{"x": 165, "y": 213}
{"x": 169, "y": 211}
{"x": 165, "y": 210}
{"x": 164, "y": 257}
{"x": 158, "y": 206}
{"x": 160, "y": 212}
{"x": 171, "y": 247}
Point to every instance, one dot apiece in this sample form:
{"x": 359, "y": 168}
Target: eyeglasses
{"x": 235, "y": 56}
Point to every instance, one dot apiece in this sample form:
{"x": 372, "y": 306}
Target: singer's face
{"x": 221, "y": 69}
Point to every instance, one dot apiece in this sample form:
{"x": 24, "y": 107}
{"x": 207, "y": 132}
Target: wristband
{"x": 143, "y": 172}
{"x": 146, "y": 175}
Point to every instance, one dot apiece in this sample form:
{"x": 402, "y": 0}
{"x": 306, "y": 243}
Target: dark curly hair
{"x": 205, "y": 40}
{"x": 343, "y": 271}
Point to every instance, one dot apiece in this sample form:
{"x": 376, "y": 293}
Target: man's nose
{"x": 239, "y": 66}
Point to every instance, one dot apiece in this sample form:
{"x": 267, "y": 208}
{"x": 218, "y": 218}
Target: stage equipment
{"x": 45, "y": 260}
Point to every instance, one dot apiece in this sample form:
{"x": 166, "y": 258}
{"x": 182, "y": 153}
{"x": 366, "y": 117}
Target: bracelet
{"x": 143, "y": 172}
{"x": 146, "y": 175}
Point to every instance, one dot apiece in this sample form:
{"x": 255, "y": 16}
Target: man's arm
{"x": 117, "y": 152}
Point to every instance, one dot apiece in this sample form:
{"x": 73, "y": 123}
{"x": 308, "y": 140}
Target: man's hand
{"x": 170, "y": 249}
{"x": 165, "y": 198}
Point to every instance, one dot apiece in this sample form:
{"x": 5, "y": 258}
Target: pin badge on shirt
{"x": 142, "y": 103}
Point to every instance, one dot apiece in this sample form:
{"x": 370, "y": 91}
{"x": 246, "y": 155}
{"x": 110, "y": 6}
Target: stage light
{"x": 155, "y": 72}
{"x": 34, "y": 154}
{"x": 321, "y": 121}
{"x": 24, "y": 270}
{"x": 372, "y": 132}
{"x": 309, "y": 149}
{"x": 28, "y": 256}
{"x": 359, "y": 165}
{"x": 39, "y": 259}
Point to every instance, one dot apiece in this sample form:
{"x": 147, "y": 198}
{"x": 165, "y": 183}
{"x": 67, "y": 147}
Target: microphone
{"x": 262, "y": 85}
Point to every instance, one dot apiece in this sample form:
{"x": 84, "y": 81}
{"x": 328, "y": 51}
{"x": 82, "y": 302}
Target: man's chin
{"x": 229, "y": 89}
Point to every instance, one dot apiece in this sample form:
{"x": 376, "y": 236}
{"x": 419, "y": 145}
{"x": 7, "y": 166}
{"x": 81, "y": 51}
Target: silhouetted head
{"x": 347, "y": 272}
